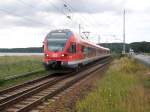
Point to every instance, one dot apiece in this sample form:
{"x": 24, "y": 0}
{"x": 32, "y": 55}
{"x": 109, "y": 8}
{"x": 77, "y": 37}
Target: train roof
{"x": 92, "y": 44}
{"x": 61, "y": 30}
{"x": 80, "y": 39}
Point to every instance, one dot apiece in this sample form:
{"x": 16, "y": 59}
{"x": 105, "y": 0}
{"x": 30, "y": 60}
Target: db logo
{"x": 54, "y": 55}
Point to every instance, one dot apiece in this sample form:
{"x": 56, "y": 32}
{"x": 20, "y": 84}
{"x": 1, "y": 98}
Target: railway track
{"x": 15, "y": 91}
{"x": 24, "y": 97}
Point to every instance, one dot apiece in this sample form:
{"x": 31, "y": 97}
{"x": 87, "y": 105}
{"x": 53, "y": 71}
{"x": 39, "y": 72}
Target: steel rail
{"x": 40, "y": 90}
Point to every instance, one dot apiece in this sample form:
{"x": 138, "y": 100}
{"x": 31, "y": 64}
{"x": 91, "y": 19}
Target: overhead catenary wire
{"x": 28, "y": 18}
{"x": 70, "y": 8}
{"x": 58, "y": 9}
{"x": 85, "y": 19}
{"x": 51, "y": 3}
{"x": 88, "y": 23}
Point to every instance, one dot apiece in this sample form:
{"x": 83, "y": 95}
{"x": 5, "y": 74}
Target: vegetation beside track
{"x": 124, "y": 88}
{"x": 17, "y": 65}
{"x": 13, "y": 65}
{"x": 13, "y": 82}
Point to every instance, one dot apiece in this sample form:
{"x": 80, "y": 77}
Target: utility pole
{"x": 124, "y": 46}
{"x": 99, "y": 38}
{"x": 80, "y": 30}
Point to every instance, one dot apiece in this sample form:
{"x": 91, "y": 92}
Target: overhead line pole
{"x": 124, "y": 46}
{"x": 80, "y": 30}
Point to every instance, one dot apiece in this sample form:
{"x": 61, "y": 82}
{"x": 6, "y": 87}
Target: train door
{"x": 72, "y": 51}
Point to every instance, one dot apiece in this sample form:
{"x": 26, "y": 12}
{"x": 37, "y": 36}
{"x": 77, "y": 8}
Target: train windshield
{"x": 56, "y": 45}
{"x": 56, "y": 41}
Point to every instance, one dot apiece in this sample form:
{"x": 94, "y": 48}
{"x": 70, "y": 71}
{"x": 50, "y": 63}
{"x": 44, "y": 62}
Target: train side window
{"x": 82, "y": 48}
{"x": 86, "y": 50}
{"x": 72, "y": 48}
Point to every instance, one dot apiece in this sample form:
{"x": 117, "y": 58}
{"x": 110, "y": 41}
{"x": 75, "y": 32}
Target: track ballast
{"x": 29, "y": 95}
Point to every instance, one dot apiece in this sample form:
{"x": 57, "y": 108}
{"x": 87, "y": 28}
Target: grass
{"x": 123, "y": 89}
{"x": 147, "y": 83}
{"x": 15, "y": 65}
{"x": 12, "y": 65}
{"x": 13, "y": 82}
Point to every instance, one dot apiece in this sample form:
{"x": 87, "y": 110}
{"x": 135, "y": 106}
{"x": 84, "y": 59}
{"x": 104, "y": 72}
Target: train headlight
{"x": 46, "y": 55}
{"x": 63, "y": 55}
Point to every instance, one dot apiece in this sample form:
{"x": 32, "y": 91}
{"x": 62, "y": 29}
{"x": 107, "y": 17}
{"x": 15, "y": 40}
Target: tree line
{"x": 138, "y": 47}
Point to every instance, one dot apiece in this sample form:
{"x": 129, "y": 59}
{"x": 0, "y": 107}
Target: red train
{"x": 64, "y": 49}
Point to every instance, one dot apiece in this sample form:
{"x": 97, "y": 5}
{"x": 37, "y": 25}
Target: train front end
{"x": 55, "y": 45}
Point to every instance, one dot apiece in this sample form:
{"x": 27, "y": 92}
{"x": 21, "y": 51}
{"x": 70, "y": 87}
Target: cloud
{"x": 37, "y": 13}
{"x": 95, "y": 6}
{"x": 29, "y": 19}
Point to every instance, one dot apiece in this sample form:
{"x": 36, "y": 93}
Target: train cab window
{"x": 72, "y": 48}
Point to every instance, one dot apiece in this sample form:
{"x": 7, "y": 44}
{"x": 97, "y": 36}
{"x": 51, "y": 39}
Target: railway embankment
{"x": 18, "y": 69}
{"x": 65, "y": 102}
{"x": 33, "y": 95}
{"x": 125, "y": 87}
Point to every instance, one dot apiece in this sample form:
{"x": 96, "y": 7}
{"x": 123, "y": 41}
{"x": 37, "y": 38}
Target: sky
{"x": 25, "y": 23}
